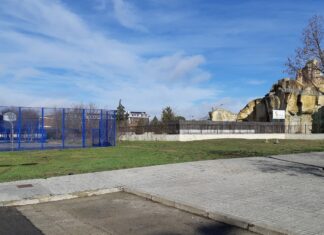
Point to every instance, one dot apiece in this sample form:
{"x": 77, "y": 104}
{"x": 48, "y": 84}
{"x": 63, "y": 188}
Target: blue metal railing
{"x": 54, "y": 128}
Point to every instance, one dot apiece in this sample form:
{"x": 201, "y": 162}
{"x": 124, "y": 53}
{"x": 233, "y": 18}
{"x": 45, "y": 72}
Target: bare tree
{"x": 312, "y": 47}
{"x": 73, "y": 120}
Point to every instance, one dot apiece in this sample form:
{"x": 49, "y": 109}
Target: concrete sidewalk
{"x": 283, "y": 193}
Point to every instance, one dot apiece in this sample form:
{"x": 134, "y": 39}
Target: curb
{"x": 53, "y": 198}
{"x": 216, "y": 216}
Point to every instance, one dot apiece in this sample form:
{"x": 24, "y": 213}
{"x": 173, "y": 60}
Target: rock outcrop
{"x": 302, "y": 99}
{"x": 222, "y": 115}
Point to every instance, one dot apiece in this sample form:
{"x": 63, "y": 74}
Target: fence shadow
{"x": 234, "y": 153}
{"x": 211, "y": 229}
{"x": 220, "y": 228}
{"x": 289, "y": 168}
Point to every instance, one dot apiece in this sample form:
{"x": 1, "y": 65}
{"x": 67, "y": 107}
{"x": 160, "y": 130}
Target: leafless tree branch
{"x": 312, "y": 41}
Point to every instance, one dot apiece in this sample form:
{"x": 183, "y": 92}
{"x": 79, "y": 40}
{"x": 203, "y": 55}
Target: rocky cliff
{"x": 222, "y": 115}
{"x": 302, "y": 98}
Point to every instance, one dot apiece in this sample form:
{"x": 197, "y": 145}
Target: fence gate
{"x": 105, "y": 134}
{"x": 52, "y": 128}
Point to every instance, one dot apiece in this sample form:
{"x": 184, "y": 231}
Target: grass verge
{"x": 47, "y": 163}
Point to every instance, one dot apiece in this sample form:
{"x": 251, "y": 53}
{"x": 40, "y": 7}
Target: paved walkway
{"x": 282, "y": 192}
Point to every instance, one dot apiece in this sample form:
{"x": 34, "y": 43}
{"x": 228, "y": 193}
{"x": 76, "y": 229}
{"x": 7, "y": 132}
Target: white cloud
{"x": 26, "y": 73}
{"x": 56, "y": 55}
{"x": 14, "y": 97}
{"x": 127, "y": 15}
{"x": 175, "y": 67}
{"x": 186, "y": 65}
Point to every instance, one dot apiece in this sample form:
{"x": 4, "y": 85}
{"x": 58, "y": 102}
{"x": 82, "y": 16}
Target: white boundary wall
{"x": 305, "y": 136}
{"x": 193, "y": 137}
{"x": 217, "y": 132}
{"x": 148, "y": 136}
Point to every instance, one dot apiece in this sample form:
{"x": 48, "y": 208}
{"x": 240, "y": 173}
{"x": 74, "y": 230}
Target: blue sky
{"x": 189, "y": 54}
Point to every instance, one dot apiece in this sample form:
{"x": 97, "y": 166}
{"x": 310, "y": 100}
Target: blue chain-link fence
{"x": 56, "y": 128}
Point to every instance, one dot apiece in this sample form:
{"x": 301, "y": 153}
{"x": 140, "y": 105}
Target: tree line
{"x": 167, "y": 115}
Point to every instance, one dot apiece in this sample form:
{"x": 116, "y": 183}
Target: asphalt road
{"x": 115, "y": 213}
{"x": 12, "y": 222}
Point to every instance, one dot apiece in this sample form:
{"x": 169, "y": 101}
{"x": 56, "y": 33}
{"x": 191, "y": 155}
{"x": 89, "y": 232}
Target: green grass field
{"x": 43, "y": 164}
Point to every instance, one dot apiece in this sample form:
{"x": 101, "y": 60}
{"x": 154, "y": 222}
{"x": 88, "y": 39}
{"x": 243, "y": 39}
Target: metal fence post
{"x": 100, "y": 127}
{"x": 42, "y": 138}
{"x": 83, "y": 129}
{"x": 63, "y": 128}
{"x": 19, "y": 127}
{"x": 115, "y": 127}
{"x": 107, "y": 130}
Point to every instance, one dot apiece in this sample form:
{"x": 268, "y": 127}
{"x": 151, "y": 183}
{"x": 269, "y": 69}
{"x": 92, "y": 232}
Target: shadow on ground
{"x": 234, "y": 153}
{"x": 22, "y": 164}
{"x": 12, "y": 222}
{"x": 212, "y": 229}
{"x": 221, "y": 229}
{"x": 288, "y": 167}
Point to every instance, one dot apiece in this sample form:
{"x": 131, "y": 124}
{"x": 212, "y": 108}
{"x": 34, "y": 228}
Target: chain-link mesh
{"x": 46, "y": 128}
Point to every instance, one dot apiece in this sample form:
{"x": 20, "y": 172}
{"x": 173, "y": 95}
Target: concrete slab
{"x": 119, "y": 214}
